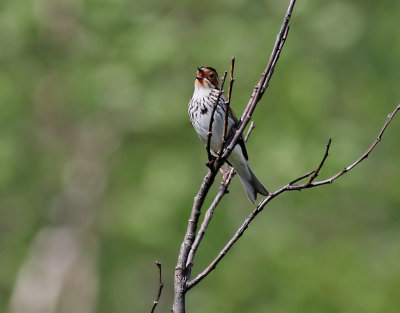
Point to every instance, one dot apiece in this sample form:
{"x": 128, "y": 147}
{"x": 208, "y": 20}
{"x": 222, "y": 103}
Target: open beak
{"x": 200, "y": 73}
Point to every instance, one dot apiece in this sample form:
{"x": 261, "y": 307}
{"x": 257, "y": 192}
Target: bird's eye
{"x": 212, "y": 75}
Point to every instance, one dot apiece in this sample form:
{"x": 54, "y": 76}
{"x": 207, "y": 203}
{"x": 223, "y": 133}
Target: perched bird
{"x": 206, "y": 90}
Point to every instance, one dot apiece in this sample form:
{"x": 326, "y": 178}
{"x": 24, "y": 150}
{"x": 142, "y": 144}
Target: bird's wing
{"x": 232, "y": 115}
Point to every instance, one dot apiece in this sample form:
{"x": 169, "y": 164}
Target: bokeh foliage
{"x": 125, "y": 70}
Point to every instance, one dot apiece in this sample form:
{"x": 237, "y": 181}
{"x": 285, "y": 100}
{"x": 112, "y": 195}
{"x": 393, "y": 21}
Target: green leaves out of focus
{"x": 125, "y": 70}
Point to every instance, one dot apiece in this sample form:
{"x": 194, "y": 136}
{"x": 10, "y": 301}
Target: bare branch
{"x": 287, "y": 187}
{"x": 159, "y": 289}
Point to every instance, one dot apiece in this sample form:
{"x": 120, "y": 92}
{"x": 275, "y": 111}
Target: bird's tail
{"x": 251, "y": 184}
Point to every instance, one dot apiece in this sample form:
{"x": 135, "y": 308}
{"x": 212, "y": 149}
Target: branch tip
{"x": 161, "y": 285}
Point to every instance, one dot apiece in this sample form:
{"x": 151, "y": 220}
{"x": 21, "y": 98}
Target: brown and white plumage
{"x": 206, "y": 90}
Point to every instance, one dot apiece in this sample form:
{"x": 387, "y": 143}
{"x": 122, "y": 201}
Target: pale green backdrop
{"x": 99, "y": 163}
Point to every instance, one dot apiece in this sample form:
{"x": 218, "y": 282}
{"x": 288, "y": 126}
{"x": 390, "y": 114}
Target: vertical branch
{"x": 159, "y": 288}
{"x": 209, "y": 133}
{"x": 181, "y": 271}
{"x": 227, "y": 106}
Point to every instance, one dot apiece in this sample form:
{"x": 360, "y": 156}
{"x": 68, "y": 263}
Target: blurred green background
{"x": 99, "y": 163}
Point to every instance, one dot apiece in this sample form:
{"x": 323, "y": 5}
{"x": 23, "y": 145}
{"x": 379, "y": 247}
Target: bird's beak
{"x": 200, "y": 73}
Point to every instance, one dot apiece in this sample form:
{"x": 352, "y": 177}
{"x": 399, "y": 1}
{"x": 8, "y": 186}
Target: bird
{"x": 205, "y": 95}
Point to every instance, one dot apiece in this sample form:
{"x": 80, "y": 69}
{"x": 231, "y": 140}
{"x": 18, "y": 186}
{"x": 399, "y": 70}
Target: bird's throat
{"x": 201, "y": 91}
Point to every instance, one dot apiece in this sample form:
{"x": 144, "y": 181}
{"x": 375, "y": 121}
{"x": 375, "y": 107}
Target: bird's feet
{"x": 210, "y": 162}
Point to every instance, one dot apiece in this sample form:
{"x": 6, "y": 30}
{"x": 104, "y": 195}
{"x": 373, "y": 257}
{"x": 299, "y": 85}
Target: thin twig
{"x": 227, "y": 106}
{"x": 209, "y": 133}
{"x": 314, "y": 176}
{"x": 301, "y": 177}
{"x": 231, "y": 80}
{"x": 251, "y": 127}
{"x": 159, "y": 289}
{"x": 287, "y": 187}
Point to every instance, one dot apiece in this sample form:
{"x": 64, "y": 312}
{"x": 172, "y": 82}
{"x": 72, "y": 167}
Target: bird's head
{"x": 206, "y": 77}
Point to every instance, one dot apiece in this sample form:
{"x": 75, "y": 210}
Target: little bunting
{"x": 206, "y": 90}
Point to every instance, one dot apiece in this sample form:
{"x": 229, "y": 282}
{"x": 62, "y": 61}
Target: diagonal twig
{"x": 315, "y": 174}
{"x": 251, "y": 127}
{"x": 301, "y": 178}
